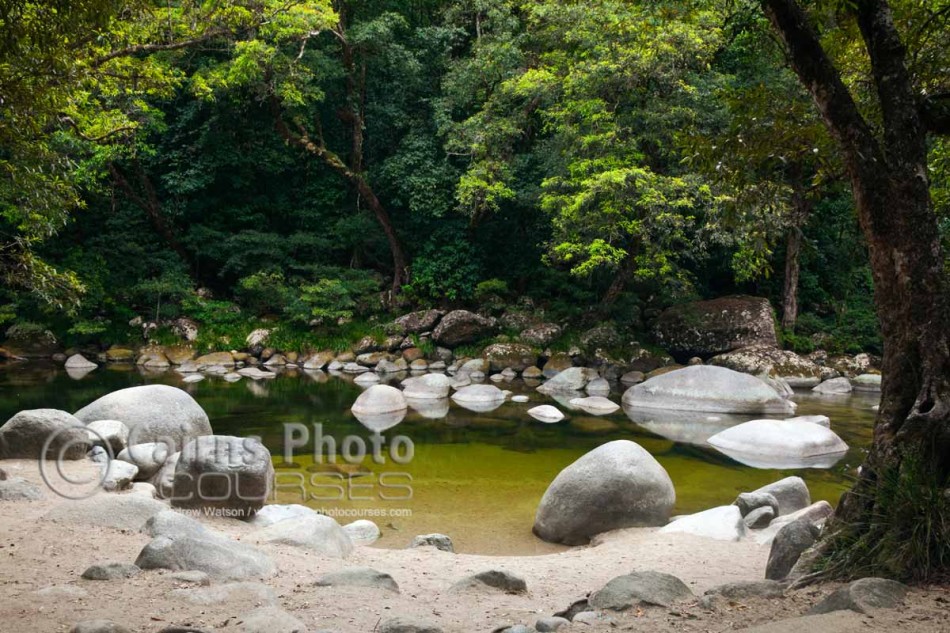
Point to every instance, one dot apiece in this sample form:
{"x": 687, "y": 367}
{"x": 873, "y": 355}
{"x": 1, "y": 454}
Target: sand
{"x": 36, "y": 553}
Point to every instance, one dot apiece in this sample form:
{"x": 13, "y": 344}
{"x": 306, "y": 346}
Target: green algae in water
{"x": 475, "y": 476}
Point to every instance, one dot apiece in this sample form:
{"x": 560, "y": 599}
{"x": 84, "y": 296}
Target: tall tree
{"x": 896, "y": 519}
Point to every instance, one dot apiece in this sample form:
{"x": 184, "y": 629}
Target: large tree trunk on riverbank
{"x": 896, "y": 519}
{"x": 793, "y": 248}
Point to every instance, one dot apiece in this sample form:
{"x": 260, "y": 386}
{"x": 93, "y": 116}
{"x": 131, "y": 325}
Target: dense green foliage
{"x": 242, "y": 162}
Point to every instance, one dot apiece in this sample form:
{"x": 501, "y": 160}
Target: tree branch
{"x": 895, "y": 89}
{"x": 820, "y": 77}
{"x": 152, "y": 48}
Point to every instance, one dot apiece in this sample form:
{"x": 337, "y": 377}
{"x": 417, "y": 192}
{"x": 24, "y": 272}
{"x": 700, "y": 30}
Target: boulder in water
{"x": 707, "y": 388}
{"x": 616, "y": 485}
{"x": 780, "y": 444}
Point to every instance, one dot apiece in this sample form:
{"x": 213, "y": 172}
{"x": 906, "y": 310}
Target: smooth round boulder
{"x": 25, "y": 434}
{"x": 78, "y": 361}
{"x": 428, "y": 387}
{"x": 221, "y": 472}
{"x": 834, "y": 387}
{"x": 315, "y": 532}
{"x": 616, "y": 485}
{"x": 362, "y": 532}
{"x": 153, "y": 413}
{"x": 546, "y": 413}
{"x": 595, "y": 405}
{"x": 867, "y": 383}
{"x": 149, "y": 458}
{"x": 707, "y": 388}
{"x": 379, "y": 399}
{"x": 570, "y": 380}
{"x": 113, "y": 433}
{"x": 479, "y": 397}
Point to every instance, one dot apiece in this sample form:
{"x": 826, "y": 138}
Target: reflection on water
{"x": 687, "y": 427}
{"x": 477, "y": 476}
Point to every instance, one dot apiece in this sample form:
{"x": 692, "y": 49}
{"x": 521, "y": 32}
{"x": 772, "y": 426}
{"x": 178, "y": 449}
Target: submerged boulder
{"x": 153, "y": 413}
{"x": 707, "y": 328}
{"x": 616, "y": 485}
{"x": 707, "y": 388}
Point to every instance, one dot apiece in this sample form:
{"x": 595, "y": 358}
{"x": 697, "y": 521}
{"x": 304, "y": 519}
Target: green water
{"x": 475, "y": 476}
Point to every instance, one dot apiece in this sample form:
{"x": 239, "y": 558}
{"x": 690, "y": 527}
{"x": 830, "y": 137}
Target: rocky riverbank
{"x": 47, "y": 549}
{"x": 734, "y": 332}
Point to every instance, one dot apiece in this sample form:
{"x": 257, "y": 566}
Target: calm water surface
{"x": 475, "y": 476}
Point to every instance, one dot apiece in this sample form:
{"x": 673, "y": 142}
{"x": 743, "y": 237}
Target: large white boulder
{"x": 479, "y": 398}
{"x": 546, "y": 413}
{"x": 722, "y": 524}
{"x": 78, "y": 361}
{"x": 25, "y": 434}
{"x": 707, "y": 388}
{"x": 153, "y": 413}
{"x": 616, "y": 485}
{"x": 428, "y": 387}
{"x": 781, "y": 444}
{"x": 379, "y": 399}
{"x": 569, "y": 380}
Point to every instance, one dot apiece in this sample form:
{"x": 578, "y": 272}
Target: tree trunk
{"x": 896, "y": 519}
{"x": 317, "y": 148}
{"x": 619, "y": 282}
{"x": 793, "y": 247}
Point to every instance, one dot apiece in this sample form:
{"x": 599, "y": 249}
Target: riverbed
{"x": 475, "y": 476}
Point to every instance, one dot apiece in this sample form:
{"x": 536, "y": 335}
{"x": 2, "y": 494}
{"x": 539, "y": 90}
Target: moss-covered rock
{"x": 707, "y": 328}
{"x": 515, "y": 355}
